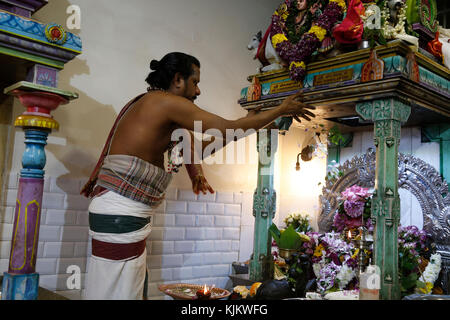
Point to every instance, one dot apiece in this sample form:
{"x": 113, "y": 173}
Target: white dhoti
{"x": 118, "y": 272}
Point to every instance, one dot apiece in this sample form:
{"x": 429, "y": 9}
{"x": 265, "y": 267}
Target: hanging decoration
{"x": 289, "y": 37}
{"x": 396, "y": 28}
{"x": 350, "y": 31}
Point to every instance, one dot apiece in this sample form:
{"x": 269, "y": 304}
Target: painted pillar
{"x": 441, "y": 133}
{"x": 387, "y": 115}
{"x": 21, "y": 282}
{"x": 264, "y": 206}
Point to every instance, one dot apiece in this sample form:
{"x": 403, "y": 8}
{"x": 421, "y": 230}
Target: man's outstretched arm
{"x": 184, "y": 113}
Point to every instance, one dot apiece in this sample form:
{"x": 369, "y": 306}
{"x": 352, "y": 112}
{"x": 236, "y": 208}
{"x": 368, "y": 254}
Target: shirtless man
{"x": 130, "y": 180}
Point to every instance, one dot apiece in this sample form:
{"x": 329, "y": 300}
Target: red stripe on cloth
{"x": 117, "y": 251}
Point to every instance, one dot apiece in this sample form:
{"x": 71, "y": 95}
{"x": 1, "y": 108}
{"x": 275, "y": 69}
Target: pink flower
{"x": 354, "y": 208}
{"x": 354, "y": 223}
{"x": 339, "y": 222}
{"x": 355, "y": 193}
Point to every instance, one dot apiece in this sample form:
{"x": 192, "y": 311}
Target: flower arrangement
{"x": 354, "y": 209}
{"x": 389, "y": 31}
{"x": 374, "y": 35}
{"x": 285, "y": 38}
{"x": 334, "y": 261}
{"x": 299, "y": 221}
{"x": 287, "y": 238}
{"x": 412, "y": 247}
{"x": 430, "y": 275}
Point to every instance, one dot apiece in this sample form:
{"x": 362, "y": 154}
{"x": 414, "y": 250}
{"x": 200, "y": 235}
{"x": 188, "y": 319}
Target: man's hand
{"x": 292, "y": 107}
{"x": 199, "y": 184}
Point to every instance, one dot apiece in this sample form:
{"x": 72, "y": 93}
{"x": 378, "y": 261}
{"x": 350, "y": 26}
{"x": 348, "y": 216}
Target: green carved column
{"x": 264, "y": 205}
{"x": 440, "y": 133}
{"x": 387, "y": 115}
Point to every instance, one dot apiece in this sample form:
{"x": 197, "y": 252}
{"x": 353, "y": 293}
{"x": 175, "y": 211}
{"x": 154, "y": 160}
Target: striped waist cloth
{"x": 134, "y": 178}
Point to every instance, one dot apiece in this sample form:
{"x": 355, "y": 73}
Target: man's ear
{"x": 178, "y": 80}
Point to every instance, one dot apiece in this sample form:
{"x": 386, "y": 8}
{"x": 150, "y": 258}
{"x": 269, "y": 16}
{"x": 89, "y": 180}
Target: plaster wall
{"x": 194, "y": 239}
{"x": 119, "y": 40}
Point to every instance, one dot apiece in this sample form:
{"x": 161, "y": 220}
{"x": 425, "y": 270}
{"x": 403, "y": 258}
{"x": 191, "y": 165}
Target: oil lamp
{"x": 203, "y": 294}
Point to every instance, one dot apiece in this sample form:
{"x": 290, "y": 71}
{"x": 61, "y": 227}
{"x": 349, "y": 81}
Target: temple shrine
{"x": 372, "y": 218}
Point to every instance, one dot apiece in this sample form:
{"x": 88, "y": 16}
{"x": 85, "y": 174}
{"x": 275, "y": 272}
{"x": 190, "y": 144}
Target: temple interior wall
{"x": 119, "y": 40}
{"x": 194, "y": 238}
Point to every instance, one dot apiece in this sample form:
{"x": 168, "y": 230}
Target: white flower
{"x": 316, "y": 269}
{"x": 432, "y": 270}
{"x": 345, "y": 275}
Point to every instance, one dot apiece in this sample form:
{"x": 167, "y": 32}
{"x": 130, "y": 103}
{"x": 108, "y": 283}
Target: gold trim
{"x": 25, "y": 233}
{"x": 14, "y": 241}
{"x": 36, "y": 121}
{"x": 33, "y": 251}
{"x": 37, "y": 40}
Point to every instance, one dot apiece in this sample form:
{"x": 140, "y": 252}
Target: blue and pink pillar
{"x": 21, "y": 282}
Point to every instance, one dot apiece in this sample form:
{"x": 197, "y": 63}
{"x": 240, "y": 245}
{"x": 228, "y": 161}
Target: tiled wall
{"x": 194, "y": 239}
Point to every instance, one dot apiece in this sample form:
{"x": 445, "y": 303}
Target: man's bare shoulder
{"x": 162, "y": 98}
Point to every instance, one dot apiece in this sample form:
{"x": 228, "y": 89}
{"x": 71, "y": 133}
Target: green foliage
{"x": 374, "y": 36}
{"x": 275, "y": 233}
{"x": 335, "y": 136}
{"x": 288, "y": 239}
{"x": 407, "y": 271}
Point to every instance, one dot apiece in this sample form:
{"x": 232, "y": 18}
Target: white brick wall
{"x": 194, "y": 239}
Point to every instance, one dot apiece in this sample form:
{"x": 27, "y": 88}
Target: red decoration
{"x": 261, "y": 53}
{"x": 254, "y": 90}
{"x": 412, "y": 67}
{"x": 351, "y": 29}
{"x": 373, "y": 69}
{"x": 435, "y": 47}
{"x": 40, "y": 103}
{"x": 56, "y": 33}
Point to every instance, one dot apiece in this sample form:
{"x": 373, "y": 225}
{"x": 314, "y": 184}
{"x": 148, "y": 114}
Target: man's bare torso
{"x": 145, "y": 131}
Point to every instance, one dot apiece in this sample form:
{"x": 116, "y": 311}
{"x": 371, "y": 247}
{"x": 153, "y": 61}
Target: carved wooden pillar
{"x": 387, "y": 115}
{"x": 264, "y": 205}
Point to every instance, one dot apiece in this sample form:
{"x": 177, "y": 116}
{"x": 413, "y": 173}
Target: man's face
{"x": 191, "y": 89}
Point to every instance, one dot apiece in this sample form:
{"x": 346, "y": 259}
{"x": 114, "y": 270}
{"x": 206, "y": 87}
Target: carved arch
{"x": 414, "y": 175}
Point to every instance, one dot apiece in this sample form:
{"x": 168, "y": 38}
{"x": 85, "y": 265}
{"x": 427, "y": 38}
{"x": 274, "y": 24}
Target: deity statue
{"x": 300, "y": 20}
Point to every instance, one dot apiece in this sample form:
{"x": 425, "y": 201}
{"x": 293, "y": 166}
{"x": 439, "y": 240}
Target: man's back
{"x": 145, "y": 131}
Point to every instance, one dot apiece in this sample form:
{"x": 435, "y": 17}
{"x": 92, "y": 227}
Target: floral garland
{"x": 354, "y": 209}
{"x": 430, "y": 275}
{"x": 297, "y": 54}
{"x": 390, "y": 32}
{"x": 300, "y": 221}
{"x": 334, "y": 260}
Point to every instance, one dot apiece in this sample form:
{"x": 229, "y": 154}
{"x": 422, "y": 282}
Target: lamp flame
{"x": 349, "y": 234}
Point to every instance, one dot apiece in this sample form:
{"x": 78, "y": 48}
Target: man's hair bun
{"x": 154, "y": 65}
{"x": 165, "y": 69}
